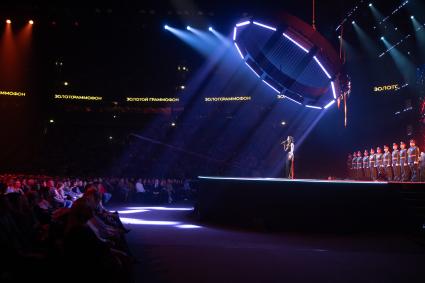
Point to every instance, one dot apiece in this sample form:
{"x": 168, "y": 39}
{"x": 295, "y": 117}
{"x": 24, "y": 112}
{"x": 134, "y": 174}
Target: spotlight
{"x": 65, "y": 83}
{"x": 31, "y": 22}
{"x": 166, "y": 27}
{"x": 173, "y": 124}
{"x": 382, "y": 38}
{"x": 111, "y": 137}
{"x": 51, "y": 121}
{"x": 353, "y": 22}
{"x": 370, "y": 5}
{"x": 283, "y": 123}
{"x": 8, "y": 21}
{"x": 188, "y": 27}
{"x": 412, "y": 17}
{"x": 210, "y": 29}
{"x": 339, "y": 37}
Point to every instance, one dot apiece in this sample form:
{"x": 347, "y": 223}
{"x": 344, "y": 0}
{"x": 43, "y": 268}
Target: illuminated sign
{"x": 77, "y": 97}
{"x": 12, "y": 93}
{"x": 393, "y": 87}
{"x": 220, "y": 99}
{"x": 153, "y": 99}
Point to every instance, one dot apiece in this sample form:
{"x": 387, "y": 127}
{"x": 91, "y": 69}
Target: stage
{"x": 305, "y": 204}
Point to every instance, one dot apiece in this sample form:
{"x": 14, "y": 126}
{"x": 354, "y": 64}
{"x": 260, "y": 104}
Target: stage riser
{"x": 308, "y": 206}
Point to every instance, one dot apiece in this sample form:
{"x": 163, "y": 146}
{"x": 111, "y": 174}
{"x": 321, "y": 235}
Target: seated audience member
{"x": 18, "y": 187}
{"x": 40, "y": 207}
{"x": 96, "y": 260}
{"x": 140, "y": 191}
{"x": 75, "y": 189}
{"x": 156, "y": 190}
{"x": 10, "y": 186}
{"x": 170, "y": 190}
{"x": 186, "y": 189}
{"x": 59, "y": 196}
{"x": 104, "y": 195}
{"x": 123, "y": 189}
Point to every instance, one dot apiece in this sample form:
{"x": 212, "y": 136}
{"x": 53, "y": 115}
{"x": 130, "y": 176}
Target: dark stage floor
{"x": 172, "y": 247}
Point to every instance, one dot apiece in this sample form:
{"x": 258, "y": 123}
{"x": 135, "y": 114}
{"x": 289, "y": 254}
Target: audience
{"x": 56, "y": 223}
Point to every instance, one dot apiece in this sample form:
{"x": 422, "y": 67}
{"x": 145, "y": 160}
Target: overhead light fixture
{"x": 239, "y": 51}
{"x": 321, "y": 66}
{"x": 243, "y": 23}
{"x": 264, "y": 26}
{"x": 31, "y": 22}
{"x": 333, "y": 90}
{"x": 329, "y": 104}
{"x": 8, "y": 21}
{"x": 314, "y": 107}
{"x": 295, "y": 42}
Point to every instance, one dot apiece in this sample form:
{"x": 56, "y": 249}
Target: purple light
{"x": 329, "y": 104}
{"x": 136, "y": 221}
{"x": 333, "y": 90}
{"x": 188, "y": 226}
{"x": 160, "y": 208}
{"x": 314, "y": 107}
{"x": 234, "y": 33}
{"x": 292, "y": 180}
{"x": 321, "y": 66}
{"x": 296, "y": 43}
{"x": 265, "y": 26}
{"x": 252, "y": 69}
{"x": 271, "y": 86}
{"x": 243, "y": 24}
{"x": 132, "y": 211}
{"x": 237, "y": 47}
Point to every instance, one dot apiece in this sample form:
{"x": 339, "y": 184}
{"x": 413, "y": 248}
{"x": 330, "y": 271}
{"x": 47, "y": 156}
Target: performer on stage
{"x": 413, "y": 154}
{"x": 396, "y": 163}
{"x": 380, "y": 163}
{"x": 422, "y": 167}
{"x": 366, "y": 169}
{"x": 372, "y": 165}
{"x": 387, "y": 162}
{"x": 405, "y": 170}
{"x": 354, "y": 166}
{"x": 288, "y": 144}
{"x": 360, "y": 175}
